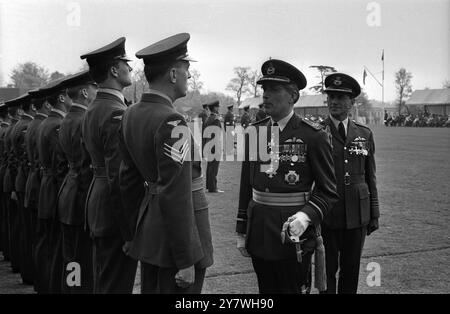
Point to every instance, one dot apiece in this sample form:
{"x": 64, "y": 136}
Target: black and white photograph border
{"x": 398, "y": 51}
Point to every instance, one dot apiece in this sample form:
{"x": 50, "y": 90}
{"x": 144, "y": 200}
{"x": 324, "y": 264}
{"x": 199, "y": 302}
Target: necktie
{"x": 342, "y": 130}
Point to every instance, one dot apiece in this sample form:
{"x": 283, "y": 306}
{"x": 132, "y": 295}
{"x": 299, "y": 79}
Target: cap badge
{"x": 270, "y": 70}
{"x": 337, "y": 81}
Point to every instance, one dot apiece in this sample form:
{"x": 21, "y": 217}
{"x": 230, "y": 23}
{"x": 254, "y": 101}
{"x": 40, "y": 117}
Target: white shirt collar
{"x": 336, "y": 123}
{"x": 283, "y": 122}
{"x": 74, "y": 104}
{"x": 157, "y": 92}
{"x": 114, "y": 92}
{"x": 27, "y": 115}
{"x": 62, "y": 113}
{"x": 42, "y": 114}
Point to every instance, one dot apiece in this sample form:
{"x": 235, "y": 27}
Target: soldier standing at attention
{"x": 4, "y": 225}
{"x": 54, "y": 169}
{"x": 212, "y": 167}
{"x": 229, "y": 117}
{"x": 245, "y": 119}
{"x": 279, "y": 200}
{"x": 76, "y": 244}
{"x": 162, "y": 187}
{"x": 8, "y": 187}
{"x": 114, "y": 270}
{"x": 33, "y": 184}
{"x": 204, "y": 114}
{"x": 4, "y": 245}
{"x": 356, "y": 213}
{"x": 19, "y": 151}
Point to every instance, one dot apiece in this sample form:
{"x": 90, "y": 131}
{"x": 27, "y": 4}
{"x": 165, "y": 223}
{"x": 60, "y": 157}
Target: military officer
{"x": 229, "y": 117}
{"x": 170, "y": 216}
{"x": 5, "y": 122}
{"x": 212, "y": 167}
{"x": 114, "y": 271}
{"x": 204, "y": 114}
{"x": 277, "y": 196}
{"x": 33, "y": 183}
{"x": 23, "y": 219}
{"x": 261, "y": 114}
{"x": 54, "y": 168}
{"x": 76, "y": 244}
{"x": 8, "y": 187}
{"x": 356, "y": 213}
{"x": 245, "y": 118}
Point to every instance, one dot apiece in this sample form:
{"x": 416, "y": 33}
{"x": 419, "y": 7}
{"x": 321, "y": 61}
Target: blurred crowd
{"x": 417, "y": 120}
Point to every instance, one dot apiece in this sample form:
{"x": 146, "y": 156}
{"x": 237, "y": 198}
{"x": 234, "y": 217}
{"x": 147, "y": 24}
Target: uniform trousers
{"x": 14, "y": 234}
{"x": 4, "y": 221}
{"x": 25, "y": 226}
{"x": 56, "y": 260}
{"x": 161, "y": 280}
{"x": 212, "y": 168}
{"x": 77, "y": 247}
{"x": 343, "y": 248}
{"x": 283, "y": 276}
{"x": 42, "y": 256}
{"x": 114, "y": 272}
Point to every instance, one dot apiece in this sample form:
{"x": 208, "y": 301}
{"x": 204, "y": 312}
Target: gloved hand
{"x": 240, "y": 244}
{"x": 298, "y": 223}
{"x": 372, "y": 226}
{"x": 185, "y": 277}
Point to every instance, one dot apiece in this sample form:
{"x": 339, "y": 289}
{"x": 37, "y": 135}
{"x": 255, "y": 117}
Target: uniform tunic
{"x": 114, "y": 272}
{"x": 163, "y": 192}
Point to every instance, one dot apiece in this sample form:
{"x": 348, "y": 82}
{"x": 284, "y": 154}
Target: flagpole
{"x": 382, "y": 80}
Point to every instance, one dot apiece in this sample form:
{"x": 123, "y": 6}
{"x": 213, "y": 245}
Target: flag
{"x": 382, "y": 56}
{"x": 364, "y": 76}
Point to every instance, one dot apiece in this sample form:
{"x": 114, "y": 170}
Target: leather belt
{"x": 281, "y": 199}
{"x": 354, "y": 178}
{"x": 99, "y": 172}
{"x": 197, "y": 184}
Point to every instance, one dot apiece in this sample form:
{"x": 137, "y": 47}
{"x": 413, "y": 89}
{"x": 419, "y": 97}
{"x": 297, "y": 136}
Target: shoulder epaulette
{"x": 360, "y": 124}
{"x": 314, "y": 125}
{"x": 261, "y": 121}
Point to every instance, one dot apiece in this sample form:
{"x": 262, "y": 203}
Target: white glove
{"x": 299, "y": 222}
{"x": 240, "y": 244}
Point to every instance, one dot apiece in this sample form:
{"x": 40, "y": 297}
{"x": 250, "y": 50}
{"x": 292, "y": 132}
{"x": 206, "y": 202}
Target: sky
{"x": 348, "y": 35}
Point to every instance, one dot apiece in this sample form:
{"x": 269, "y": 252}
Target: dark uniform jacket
{"x": 72, "y": 195}
{"x": 11, "y": 165}
{"x": 33, "y": 183}
{"x": 354, "y": 163}
{"x": 213, "y": 120}
{"x": 101, "y": 139}
{"x": 305, "y": 158}
{"x": 168, "y": 231}
{"x": 19, "y": 151}
{"x": 203, "y": 115}
{"x": 53, "y": 164}
{"x": 245, "y": 119}
{"x": 229, "y": 119}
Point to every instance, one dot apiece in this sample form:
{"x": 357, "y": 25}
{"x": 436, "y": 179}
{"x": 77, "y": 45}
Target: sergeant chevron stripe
{"x": 177, "y": 155}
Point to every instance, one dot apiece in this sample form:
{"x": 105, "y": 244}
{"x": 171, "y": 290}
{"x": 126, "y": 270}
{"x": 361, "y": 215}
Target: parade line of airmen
{"x": 90, "y": 184}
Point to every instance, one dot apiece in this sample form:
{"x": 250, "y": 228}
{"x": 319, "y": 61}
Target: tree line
{"x": 30, "y": 75}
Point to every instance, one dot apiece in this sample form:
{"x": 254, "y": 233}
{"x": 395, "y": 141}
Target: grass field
{"x": 412, "y": 245}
